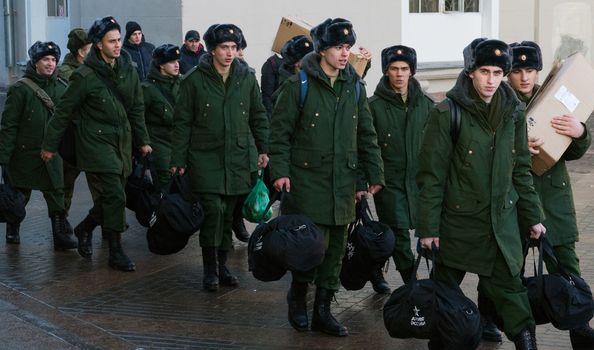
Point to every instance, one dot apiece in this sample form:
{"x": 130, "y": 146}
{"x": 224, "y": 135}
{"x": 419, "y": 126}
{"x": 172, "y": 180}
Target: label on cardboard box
{"x": 568, "y": 99}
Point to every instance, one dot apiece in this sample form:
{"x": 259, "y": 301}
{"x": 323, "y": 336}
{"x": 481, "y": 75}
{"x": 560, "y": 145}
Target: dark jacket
{"x": 107, "y": 129}
{"x": 189, "y": 59}
{"x": 400, "y": 128}
{"x": 554, "y": 189}
{"x": 219, "y": 128}
{"x": 22, "y": 130}
{"x": 322, "y": 147}
{"x": 472, "y": 193}
{"x": 270, "y": 81}
{"x": 160, "y": 97}
{"x": 142, "y": 55}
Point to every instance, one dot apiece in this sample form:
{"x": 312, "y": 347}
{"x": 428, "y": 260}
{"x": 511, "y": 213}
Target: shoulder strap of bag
{"x": 43, "y": 96}
{"x": 304, "y": 87}
{"x": 455, "y": 120}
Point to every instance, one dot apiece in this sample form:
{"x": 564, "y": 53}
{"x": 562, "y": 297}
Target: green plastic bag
{"x": 256, "y": 202}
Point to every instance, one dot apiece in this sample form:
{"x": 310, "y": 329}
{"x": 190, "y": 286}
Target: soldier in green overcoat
{"x": 474, "y": 190}
{"x": 160, "y": 90}
{"x": 21, "y": 134}
{"x": 106, "y": 92}
{"x": 79, "y": 46}
{"x": 554, "y": 186}
{"x": 220, "y": 137}
{"x": 316, "y": 153}
{"x": 400, "y": 111}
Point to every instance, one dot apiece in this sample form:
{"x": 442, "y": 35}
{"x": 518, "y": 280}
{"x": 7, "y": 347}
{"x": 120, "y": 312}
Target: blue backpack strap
{"x": 358, "y": 90}
{"x": 303, "y": 87}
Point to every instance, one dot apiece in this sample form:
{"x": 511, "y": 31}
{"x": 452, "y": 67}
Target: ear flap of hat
{"x": 399, "y": 53}
{"x": 317, "y": 33}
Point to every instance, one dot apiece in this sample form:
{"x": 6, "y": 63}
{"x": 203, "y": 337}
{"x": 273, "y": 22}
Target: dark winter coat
{"x": 219, "y": 128}
{"x": 400, "y": 129}
{"x": 160, "y": 97}
{"x": 270, "y": 81}
{"x": 472, "y": 193}
{"x": 142, "y": 55}
{"x": 22, "y": 130}
{"x": 322, "y": 147}
{"x": 107, "y": 129}
{"x": 554, "y": 189}
{"x": 189, "y": 59}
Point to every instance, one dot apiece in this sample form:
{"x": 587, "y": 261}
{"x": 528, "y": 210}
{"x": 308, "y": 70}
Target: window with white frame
{"x": 57, "y": 8}
{"x": 424, "y": 6}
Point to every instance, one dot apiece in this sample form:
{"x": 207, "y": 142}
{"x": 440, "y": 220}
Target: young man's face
{"x": 486, "y": 80}
{"x": 224, "y": 53}
{"x": 399, "y": 73}
{"x": 523, "y": 80}
{"x": 337, "y": 56}
{"x": 170, "y": 68}
{"x": 192, "y": 45}
{"x": 136, "y": 37}
{"x": 46, "y": 65}
{"x": 111, "y": 44}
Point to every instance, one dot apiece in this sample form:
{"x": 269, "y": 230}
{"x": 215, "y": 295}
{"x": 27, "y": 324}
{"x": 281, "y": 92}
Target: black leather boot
{"x": 62, "y": 240}
{"x": 12, "y": 233}
{"x": 490, "y": 332}
{"x": 378, "y": 282}
{"x": 238, "y": 225}
{"x": 405, "y": 274}
{"x": 68, "y": 227}
{"x": 225, "y": 277}
{"x": 488, "y": 316}
{"x": 582, "y": 338}
{"x": 210, "y": 282}
{"x": 526, "y": 340}
{"x": 296, "y": 298}
{"x": 84, "y": 234}
{"x": 117, "y": 258}
{"x": 322, "y": 319}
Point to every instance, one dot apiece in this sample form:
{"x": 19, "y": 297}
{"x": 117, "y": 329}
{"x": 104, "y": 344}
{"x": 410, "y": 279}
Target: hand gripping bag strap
{"x": 43, "y": 96}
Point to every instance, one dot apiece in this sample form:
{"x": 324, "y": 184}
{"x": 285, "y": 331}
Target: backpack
{"x": 304, "y": 87}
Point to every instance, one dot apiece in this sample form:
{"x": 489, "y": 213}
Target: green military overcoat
{"x": 68, "y": 67}
{"x": 219, "y": 128}
{"x": 160, "y": 96}
{"x": 22, "y": 131}
{"x": 400, "y": 129}
{"x": 107, "y": 128}
{"x": 322, "y": 147}
{"x": 472, "y": 193}
{"x": 554, "y": 189}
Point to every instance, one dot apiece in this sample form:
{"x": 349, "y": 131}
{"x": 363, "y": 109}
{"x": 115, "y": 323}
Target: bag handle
{"x": 434, "y": 256}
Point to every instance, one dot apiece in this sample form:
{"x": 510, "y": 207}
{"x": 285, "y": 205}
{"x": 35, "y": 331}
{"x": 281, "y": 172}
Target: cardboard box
{"x": 290, "y": 27}
{"x": 568, "y": 89}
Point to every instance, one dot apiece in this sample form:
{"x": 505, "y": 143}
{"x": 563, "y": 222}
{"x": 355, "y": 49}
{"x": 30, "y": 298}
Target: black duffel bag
{"x": 67, "y": 147}
{"x": 369, "y": 244}
{"x": 288, "y": 242}
{"x": 142, "y": 196}
{"x": 12, "y": 201}
{"x": 429, "y": 309}
{"x": 561, "y": 298}
{"x": 179, "y": 216}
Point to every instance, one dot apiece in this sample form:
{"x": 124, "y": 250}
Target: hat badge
{"x": 523, "y": 57}
{"x": 306, "y": 44}
{"x": 345, "y": 31}
{"x": 497, "y": 52}
{"x": 231, "y": 31}
{"x": 399, "y": 52}
{"x": 49, "y": 47}
{"x": 112, "y": 20}
{"x": 177, "y": 52}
